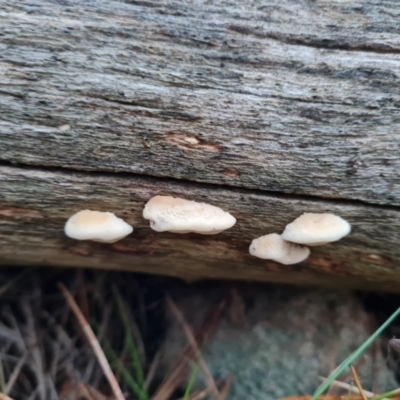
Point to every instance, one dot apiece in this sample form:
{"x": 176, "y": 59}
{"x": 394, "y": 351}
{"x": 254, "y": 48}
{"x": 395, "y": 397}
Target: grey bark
{"x": 296, "y": 97}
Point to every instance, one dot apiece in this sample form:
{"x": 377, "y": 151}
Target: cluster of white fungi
{"x": 177, "y": 215}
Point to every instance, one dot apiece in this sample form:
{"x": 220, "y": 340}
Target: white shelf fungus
{"x": 177, "y": 215}
{"x": 97, "y": 226}
{"x": 316, "y": 229}
{"x": 273, "y": 247}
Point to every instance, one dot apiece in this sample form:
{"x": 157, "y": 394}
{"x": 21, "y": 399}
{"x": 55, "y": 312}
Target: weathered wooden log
{"x": 36, "y": 204}
{"x": 297, "y": 98}
{"x": 274, "y": 107}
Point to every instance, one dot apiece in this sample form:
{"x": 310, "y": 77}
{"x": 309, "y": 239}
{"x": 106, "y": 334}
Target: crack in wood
{"x": 205, "y": 186}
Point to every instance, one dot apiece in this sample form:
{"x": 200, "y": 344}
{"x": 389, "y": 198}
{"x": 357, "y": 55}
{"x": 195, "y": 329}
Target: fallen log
{"x": 35, "y": 205}
{"x": 268, "y": 110}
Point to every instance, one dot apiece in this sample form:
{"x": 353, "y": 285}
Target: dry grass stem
{"x": 192, "y": 341}
{"x": 357, "y": 382}
{"x": 15, "y": 373}
{"x": 93, "y": 342}
{"x": 171, "y": 382}
{"x": 152, "y": 370}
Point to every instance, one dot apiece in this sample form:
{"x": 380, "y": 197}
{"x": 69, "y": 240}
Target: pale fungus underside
{"x": 167, "y": 213}
{"x": 310, "y": 228}
{"x": 98, "y": 226}
{"x": 273, "y": 247}
{"x": 315, "y": 229}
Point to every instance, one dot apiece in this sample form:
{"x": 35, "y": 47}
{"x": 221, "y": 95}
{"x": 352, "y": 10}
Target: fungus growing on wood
{"x": 273, "y": 247}
{"x": 316, "y": 229}
{"x": 97, "y": 226}
{"x": 167, "y": 213}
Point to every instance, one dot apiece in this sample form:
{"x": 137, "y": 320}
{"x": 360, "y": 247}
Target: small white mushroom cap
{"x": 97, "y": 226}
{"x": 273, "y": 247}
{"x": 316, "y": 229}
{"x": 177, "y": 215}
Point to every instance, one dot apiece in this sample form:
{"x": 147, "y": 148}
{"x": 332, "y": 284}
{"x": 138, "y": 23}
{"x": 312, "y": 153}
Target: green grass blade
{"x": 353, "y": 357}
{"x": 115, "y": 361}
{"x": 192, "y": 380}
{"x": 130, "y": 341}
{"x": 126, "y": 376}
{"x": 387, "y": 395}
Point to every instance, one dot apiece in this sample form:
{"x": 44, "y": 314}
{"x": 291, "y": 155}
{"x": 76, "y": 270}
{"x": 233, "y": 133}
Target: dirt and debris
{"x": 164, "y": 339}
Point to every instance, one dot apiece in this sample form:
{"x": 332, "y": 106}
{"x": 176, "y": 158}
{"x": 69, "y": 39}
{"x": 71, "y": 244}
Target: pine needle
{"x": 87, "y": 330}
{"x": 357, "y": 382}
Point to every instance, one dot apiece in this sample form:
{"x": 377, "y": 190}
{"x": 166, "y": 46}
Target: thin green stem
{"x": 192, "y": 379}
{"x": 387, "y": 395}
{"x": 353, "y": 357}
{"x": 130, "y": 341}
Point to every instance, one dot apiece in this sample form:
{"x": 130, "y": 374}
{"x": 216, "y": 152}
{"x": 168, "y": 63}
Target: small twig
{"x": 192, "y": 341}
{"x": 357, "y": 382}
{"x": 87, "y": 330}
{"x": 346, "y": 386}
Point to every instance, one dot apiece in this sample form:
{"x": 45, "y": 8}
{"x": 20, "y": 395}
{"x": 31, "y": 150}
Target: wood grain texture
{"x": 297, "y": 97}
{"x": 35, "y": 204}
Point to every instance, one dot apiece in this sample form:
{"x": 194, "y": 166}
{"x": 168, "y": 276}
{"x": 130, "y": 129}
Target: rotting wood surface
{"x": 296, "y": 97}
{"x": 36, "y": 203}
{"x": 275, "y": 107}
